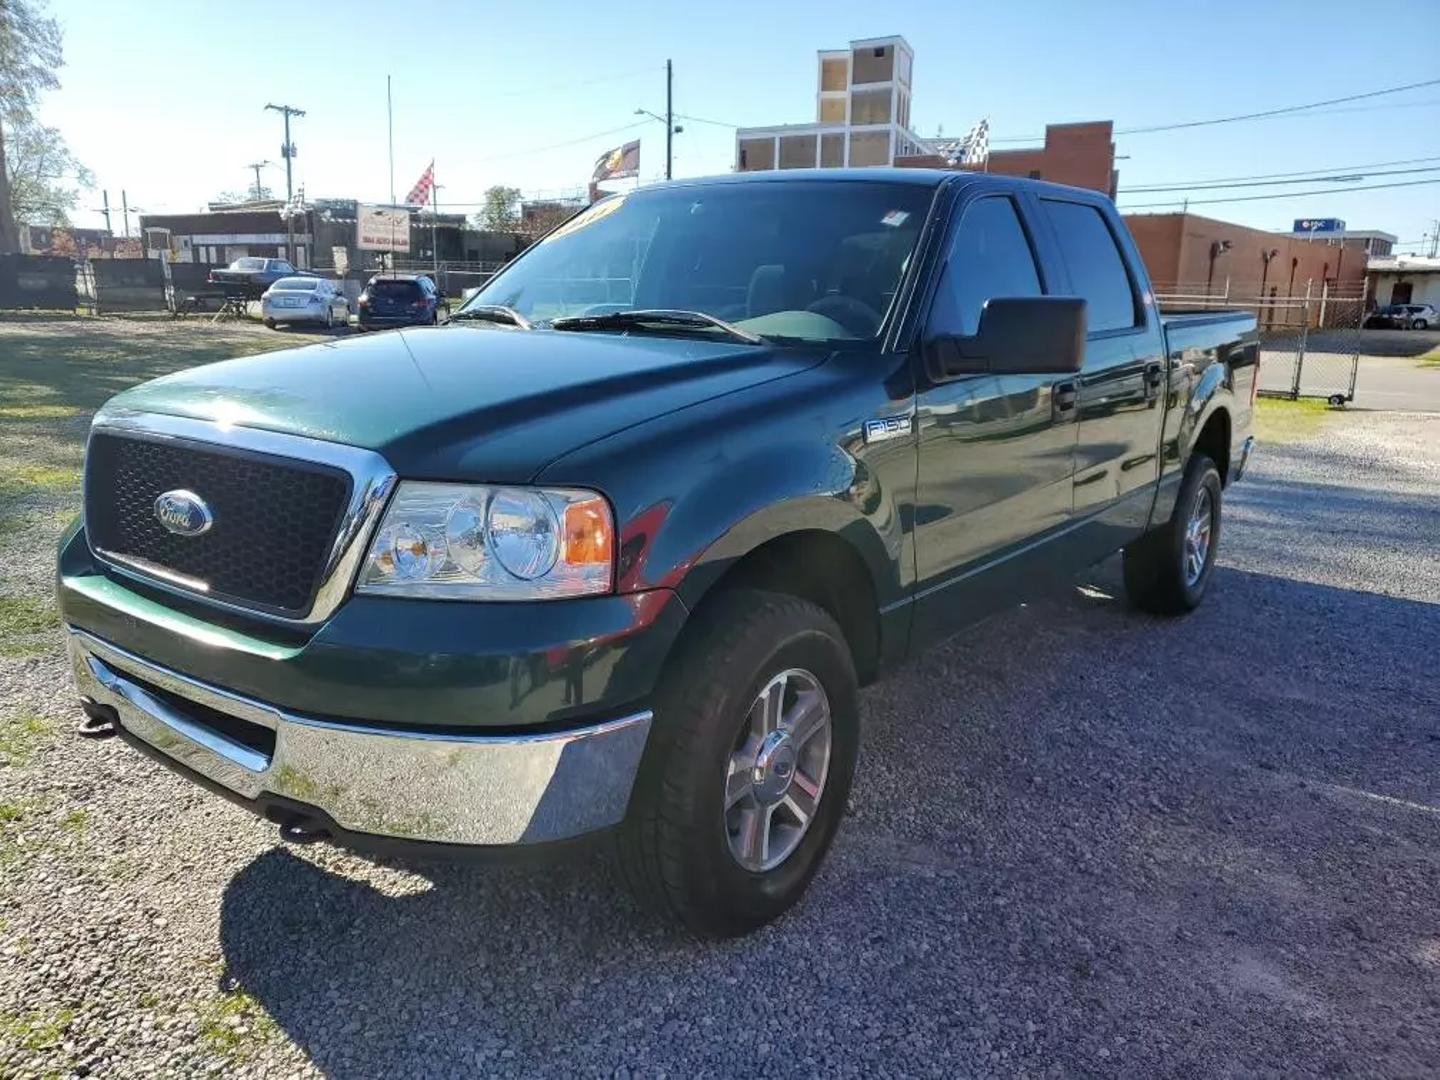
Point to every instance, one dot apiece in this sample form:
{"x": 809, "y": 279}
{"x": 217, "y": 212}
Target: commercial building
{"x": 862, "y": 114}
{"x": 862, "y": 117}
{"x": 1081, "y": 155}
{"x": 219, "y": 237}
{"x": 1403, "y": 279}
{"x": 1332, "y": 231}
{"x": 1193, "y": 255}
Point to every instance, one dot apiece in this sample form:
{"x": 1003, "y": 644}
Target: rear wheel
{"x": 1421, "y": 324}
{"x": 1168, "y": 570}
{"x": 270, "y": 323}
{"x": 749, "y": 764}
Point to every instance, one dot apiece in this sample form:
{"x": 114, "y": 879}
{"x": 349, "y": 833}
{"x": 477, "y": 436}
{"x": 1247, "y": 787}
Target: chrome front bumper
{"x": 458, "y": 789}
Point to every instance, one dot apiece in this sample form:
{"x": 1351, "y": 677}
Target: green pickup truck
{"x": 610, "y": 554}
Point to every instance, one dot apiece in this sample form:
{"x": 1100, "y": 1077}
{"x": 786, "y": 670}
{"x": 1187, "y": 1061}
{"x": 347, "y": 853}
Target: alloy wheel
{"x": 775, "y": 776}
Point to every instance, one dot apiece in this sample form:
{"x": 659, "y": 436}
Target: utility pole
{"x": 257, "y": 166}
{"x": 105, "y": 209}
{"x": 287, "y": 151}
{"x": 125, "y": 212}
{"x": 390, "y": 128}
{"x": 669, "y": 116}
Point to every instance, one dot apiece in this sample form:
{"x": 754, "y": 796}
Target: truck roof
{"x": 930, "y": 178}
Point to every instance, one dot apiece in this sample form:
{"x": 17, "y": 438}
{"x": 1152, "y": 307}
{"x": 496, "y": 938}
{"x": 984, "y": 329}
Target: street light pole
{"x": 288, "y": 152}
{"x": 669, "y": 117}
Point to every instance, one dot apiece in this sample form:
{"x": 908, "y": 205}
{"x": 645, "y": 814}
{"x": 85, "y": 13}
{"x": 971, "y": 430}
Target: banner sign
{"x": 382, "y": 228}
{"x": 1319, "y": 225}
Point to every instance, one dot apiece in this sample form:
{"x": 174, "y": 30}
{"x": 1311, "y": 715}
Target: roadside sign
{"x": 1319, "y": 225}
{"x": 382, "y": 228}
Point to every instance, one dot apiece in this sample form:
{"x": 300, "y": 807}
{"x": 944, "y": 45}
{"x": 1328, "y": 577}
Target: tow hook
{"x": 293, "y": 832}
{"x": 101, "y": 721}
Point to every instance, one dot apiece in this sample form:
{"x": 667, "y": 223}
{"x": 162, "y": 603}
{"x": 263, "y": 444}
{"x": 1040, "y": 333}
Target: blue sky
{"x": 166, "y": 99}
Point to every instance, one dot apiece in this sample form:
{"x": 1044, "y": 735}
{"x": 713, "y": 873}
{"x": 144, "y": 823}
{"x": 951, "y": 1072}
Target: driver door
{"x": 997, "y": 452}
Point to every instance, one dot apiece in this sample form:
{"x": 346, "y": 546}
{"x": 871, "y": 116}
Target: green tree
{"x": 30, "y": 54}
{"x": 500, "y": 210}
{"x": 43, "y": 176}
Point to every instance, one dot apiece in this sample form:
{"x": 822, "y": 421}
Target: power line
{"x": 1306, "y": 172}
{"x": 1151, "y": 129}
{"x": 1334, "y": 177}
{"x": 1281, "y": 195}
{"x": 567, "y": 142}
{"x": 530, "y": 90}
{"x": 702, "y": 120}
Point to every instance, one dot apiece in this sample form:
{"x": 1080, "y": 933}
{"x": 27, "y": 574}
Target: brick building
{"x": 1189, "y": 254}
{"x": 1081, "y": 155}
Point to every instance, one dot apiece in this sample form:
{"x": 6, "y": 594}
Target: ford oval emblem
{"x": 183, "y": 513}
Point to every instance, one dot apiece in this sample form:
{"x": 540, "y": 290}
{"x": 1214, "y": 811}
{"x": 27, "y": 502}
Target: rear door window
{"x": 1097, "y": 269}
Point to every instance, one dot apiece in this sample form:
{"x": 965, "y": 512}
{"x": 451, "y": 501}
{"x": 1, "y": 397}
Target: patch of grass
{"x": 74, "y": 822}
{"x": 26, "y": 478}
{"x": 20, "y": 734}
{"x": 27, "y": 625}
{"x": 37, "y": 412}
{"x": 1279, "y": 420}
{"x": 235, "y": 1024}
{"x": 36, "y": 1029}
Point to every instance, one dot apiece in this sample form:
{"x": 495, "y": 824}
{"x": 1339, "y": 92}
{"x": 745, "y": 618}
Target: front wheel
{"x": 749, "y": 764}
{"x": 1421, "y": 324}
{"x": 1168, "y": 570}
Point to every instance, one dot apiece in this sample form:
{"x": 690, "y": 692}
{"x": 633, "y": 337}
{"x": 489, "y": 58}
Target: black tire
{"x": 1421, "y": 324}
{"x": 674, "y": 849}
{"x": 270, "y": 323}
{"x": 1155, "y": 565}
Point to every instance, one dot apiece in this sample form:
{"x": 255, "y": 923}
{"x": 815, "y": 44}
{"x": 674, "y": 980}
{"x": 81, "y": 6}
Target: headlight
{"x": 470, "y": 542}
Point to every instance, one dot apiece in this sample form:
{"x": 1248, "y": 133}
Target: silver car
{"x": 304, "y": 300}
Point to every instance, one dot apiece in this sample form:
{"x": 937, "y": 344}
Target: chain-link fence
{"x": 1309, "y": 343}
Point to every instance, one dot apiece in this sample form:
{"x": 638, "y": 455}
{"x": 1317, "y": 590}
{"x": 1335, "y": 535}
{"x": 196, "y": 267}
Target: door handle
{"x": 1154, "y": 378}
{"x": 1063, "y": 396}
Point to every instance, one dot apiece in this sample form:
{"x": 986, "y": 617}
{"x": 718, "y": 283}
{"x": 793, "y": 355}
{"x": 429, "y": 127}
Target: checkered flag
{"x": 420, "y": 193}
{"x": 974, "y": 149}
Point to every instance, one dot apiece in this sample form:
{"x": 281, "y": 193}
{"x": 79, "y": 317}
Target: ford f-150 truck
{"x": 611, "y": 553}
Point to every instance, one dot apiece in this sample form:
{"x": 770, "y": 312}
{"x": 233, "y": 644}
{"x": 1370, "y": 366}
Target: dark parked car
{"x": 613, "y": 552}
{"x": 1403, "y": 317}
{"x": 256, "y": 273}
{"x": 401, "y": 300}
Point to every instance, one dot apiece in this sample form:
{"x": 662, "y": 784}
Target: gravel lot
{"x": 1083, "y": 841}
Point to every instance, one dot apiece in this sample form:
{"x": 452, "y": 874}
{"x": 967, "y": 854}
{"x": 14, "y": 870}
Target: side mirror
{"x": 1027, "y": 335}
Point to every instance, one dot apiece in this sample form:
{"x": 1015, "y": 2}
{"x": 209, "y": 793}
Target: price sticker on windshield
{"x": 895, "y": 218}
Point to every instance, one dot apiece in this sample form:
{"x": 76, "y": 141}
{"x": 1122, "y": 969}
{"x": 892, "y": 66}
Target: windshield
{"x": 248, "y": 264}
{"x": 816, "y": 260}
{"x": 296, "y": 284}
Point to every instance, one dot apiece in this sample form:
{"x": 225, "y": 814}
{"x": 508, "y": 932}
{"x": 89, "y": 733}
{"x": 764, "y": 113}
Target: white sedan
{"x": 304, "y": 300}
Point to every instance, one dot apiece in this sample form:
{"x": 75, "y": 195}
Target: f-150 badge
{"x": 889, "y": 427}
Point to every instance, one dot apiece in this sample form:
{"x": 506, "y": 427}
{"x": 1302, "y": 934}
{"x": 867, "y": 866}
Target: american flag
{"x": 420, "y": 193}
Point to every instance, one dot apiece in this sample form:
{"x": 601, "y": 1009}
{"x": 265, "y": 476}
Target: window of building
{"x": 903, "y": 114}
{"x": 1097, "y": 270}
{"x": 797, "y": 151}
{"x": 990, "y": 258}
{"x": 872, "y": 65}
{"x": 870, "y": 148}
{"x": 757, "y": 154}
{"x": 832, "y": 110}
{"x": 833, "y": 74}
{"x": 832, "y": 151}
{"x": 1035, "y": 174}
{"x": 870, "y": 106}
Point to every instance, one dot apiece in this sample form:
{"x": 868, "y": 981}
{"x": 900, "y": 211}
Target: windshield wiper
{"x": 641, "y": 317}
{"x": 493, "y": 313}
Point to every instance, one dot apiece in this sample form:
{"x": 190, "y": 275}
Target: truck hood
{"x": 465, "y": 402}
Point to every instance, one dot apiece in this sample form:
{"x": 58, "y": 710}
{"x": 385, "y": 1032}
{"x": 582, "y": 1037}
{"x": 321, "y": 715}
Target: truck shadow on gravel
{"x": 1081, "y": 840}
